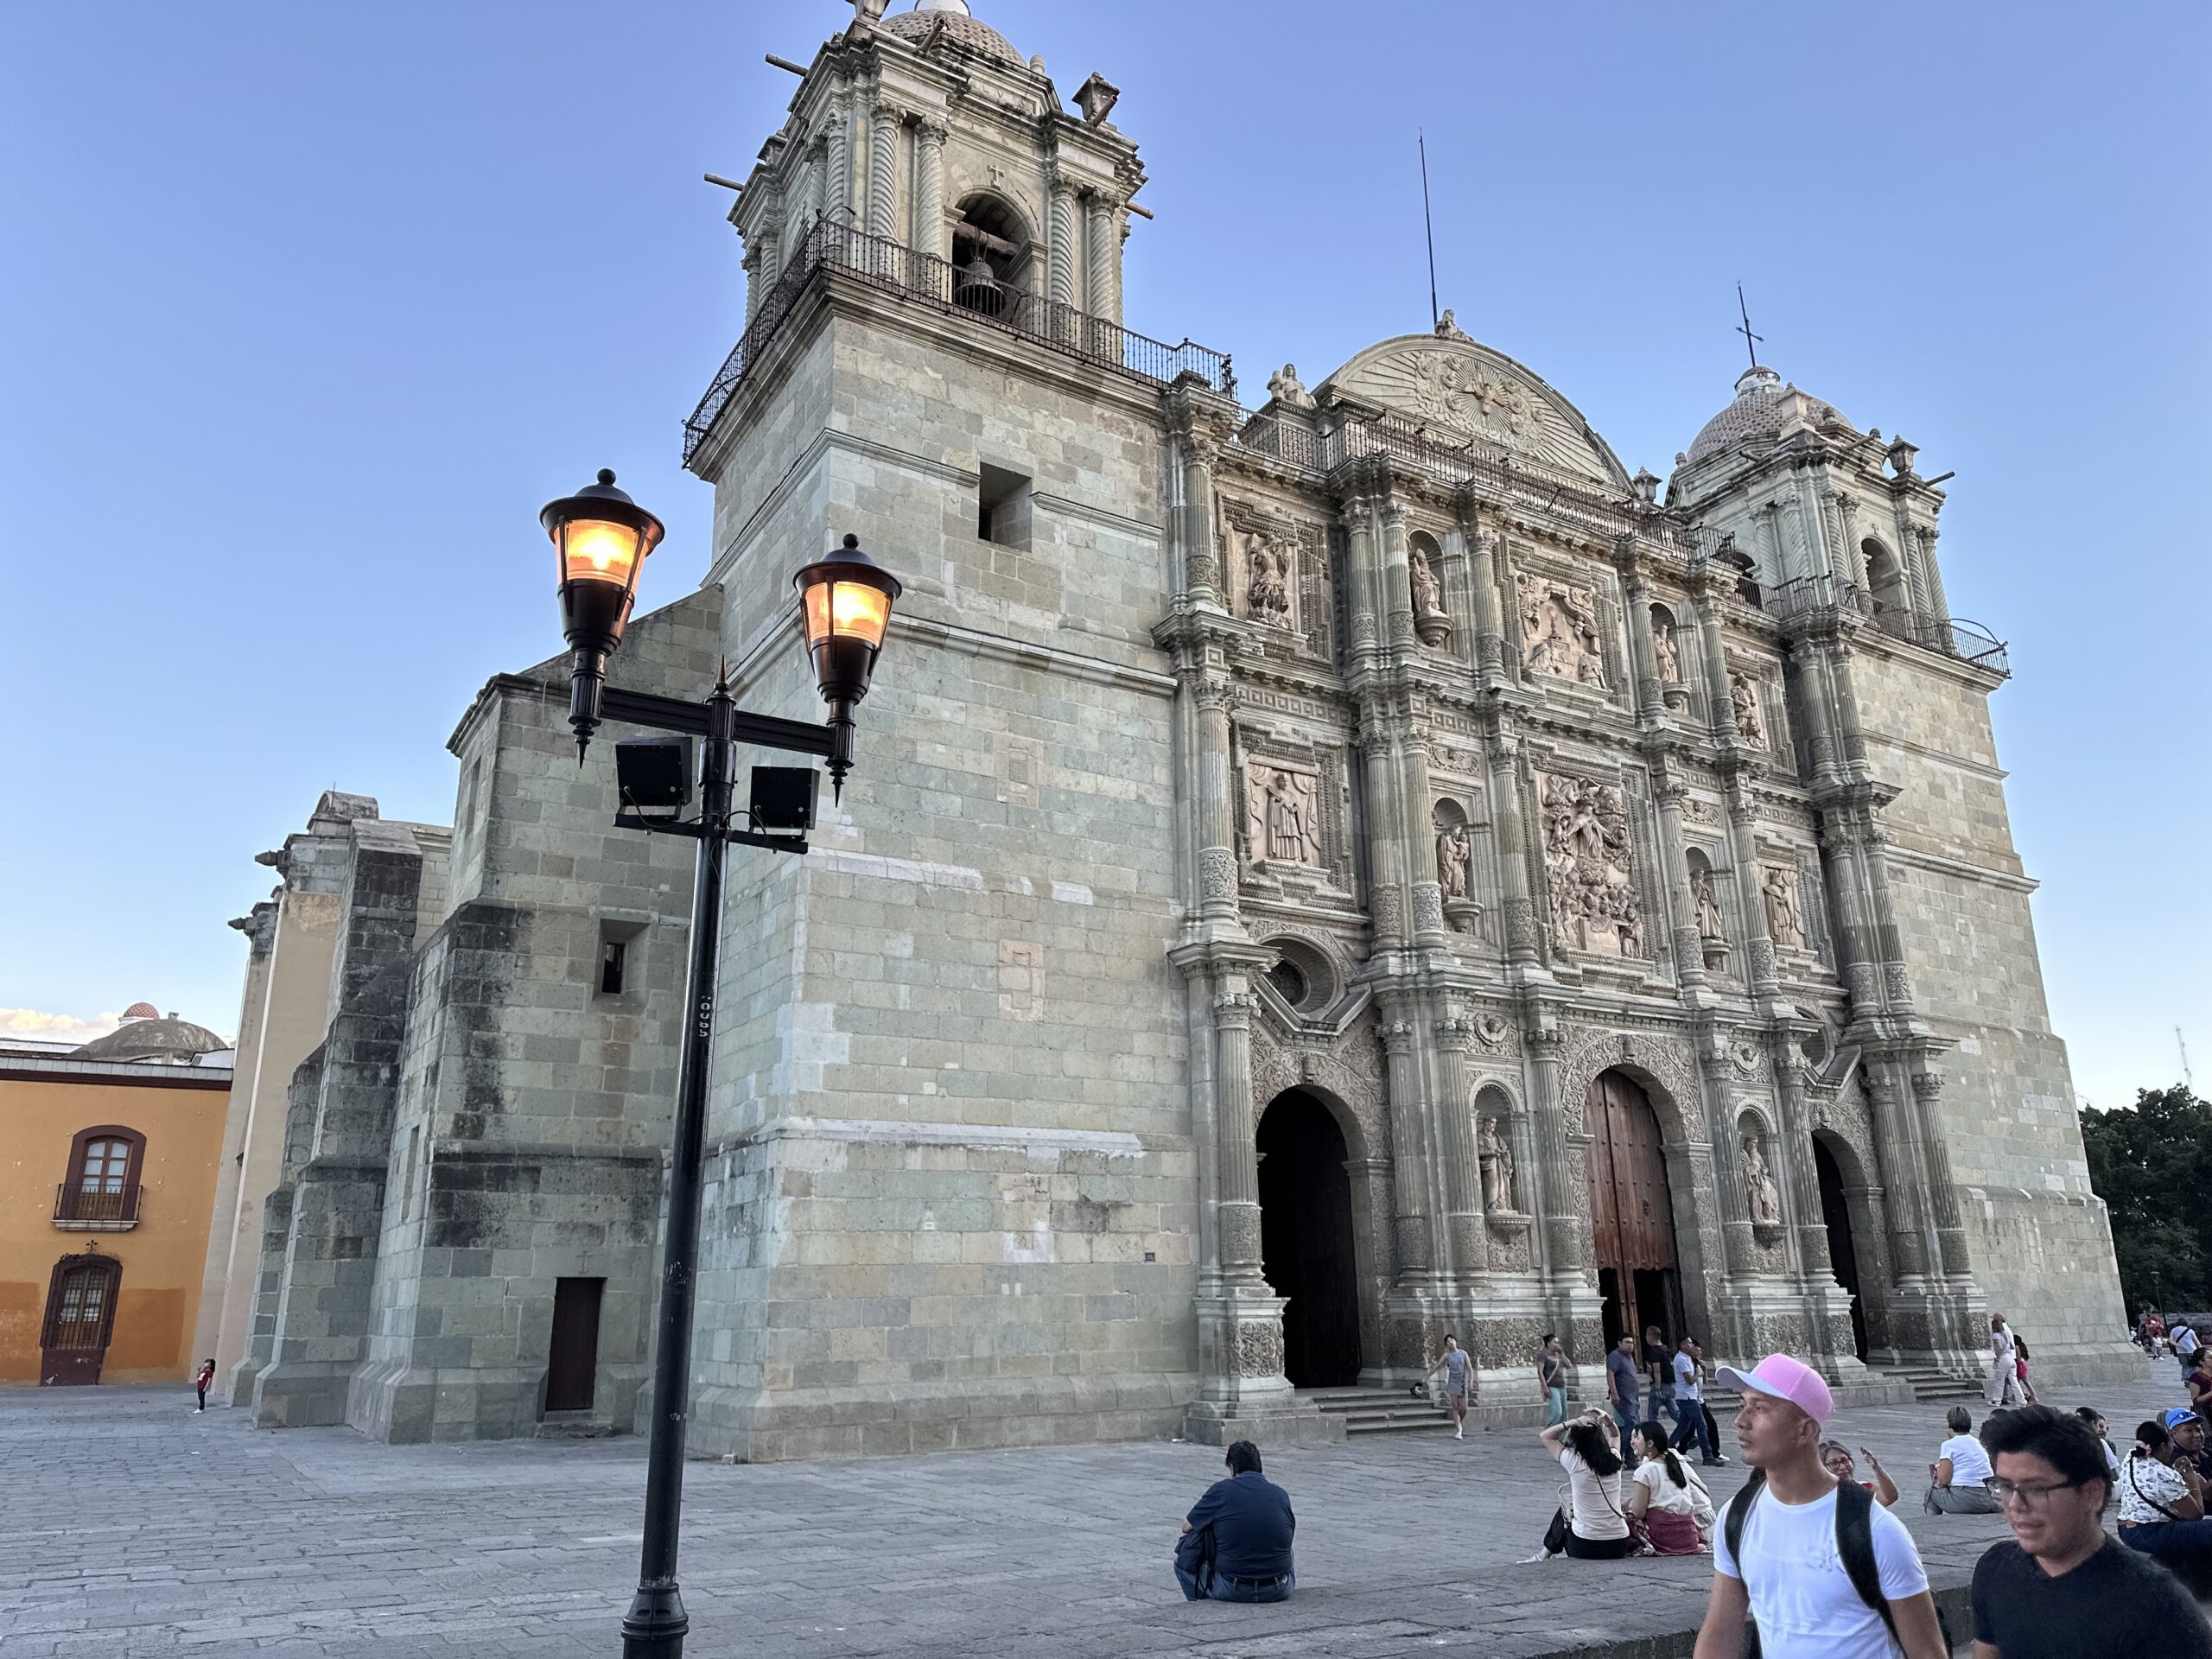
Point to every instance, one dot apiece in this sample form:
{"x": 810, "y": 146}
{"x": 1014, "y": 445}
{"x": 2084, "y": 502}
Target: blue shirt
{"x": 1252, "y": 1526}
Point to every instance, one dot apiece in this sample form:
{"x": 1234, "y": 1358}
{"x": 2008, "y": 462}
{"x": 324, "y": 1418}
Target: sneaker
{"x": 1716, "y": 1463}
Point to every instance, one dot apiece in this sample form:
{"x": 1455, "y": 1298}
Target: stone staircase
{"x": 1939, "y": 1386}
{"x": 1381, "y": 1411}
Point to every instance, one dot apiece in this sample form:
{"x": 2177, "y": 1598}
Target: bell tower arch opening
{"x": 1306, "y": 1241}
{"x": 1632, "y": 1211}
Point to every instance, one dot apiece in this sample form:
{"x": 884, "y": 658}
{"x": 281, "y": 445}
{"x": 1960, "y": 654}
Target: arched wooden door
{"x": 1305, "y": 1240}
{"x": 1632, "y": 1214}
{"x": 80, "y": 1318}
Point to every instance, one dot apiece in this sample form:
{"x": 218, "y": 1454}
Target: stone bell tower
{"x": 1986, "y": 1196}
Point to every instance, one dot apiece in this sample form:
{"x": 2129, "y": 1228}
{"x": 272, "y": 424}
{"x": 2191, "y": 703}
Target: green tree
{"x": 2152, "y": 1164}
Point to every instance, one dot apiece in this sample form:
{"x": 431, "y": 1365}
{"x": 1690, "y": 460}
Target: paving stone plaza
{"x": 136, "y": 1527}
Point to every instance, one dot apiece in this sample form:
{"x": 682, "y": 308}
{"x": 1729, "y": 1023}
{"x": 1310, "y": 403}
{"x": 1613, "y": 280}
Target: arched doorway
{"x": 80, "y": 1318}
{"x": 1632, "y": 1213}
{"x": 1843, "y": 1247}
{"x": 1305, "y": 1240}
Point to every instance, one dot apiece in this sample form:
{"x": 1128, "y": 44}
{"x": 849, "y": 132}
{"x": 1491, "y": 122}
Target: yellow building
{"x": 108, "y": 1165}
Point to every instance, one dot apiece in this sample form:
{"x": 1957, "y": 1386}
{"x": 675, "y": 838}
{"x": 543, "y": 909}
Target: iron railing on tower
{"x": 929, "y": 280}
{"x": 1953, "y": 636}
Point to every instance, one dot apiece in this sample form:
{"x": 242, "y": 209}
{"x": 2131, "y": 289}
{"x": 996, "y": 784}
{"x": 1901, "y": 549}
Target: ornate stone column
{"x": 1853, "y": 566}
{"x": 1198, "y": 430}
{"x": 883, "y": 169}
{"x": 1801, "y": 1188}
{"x": 751, "y": 266}
{"x": 1482, "y": 547}
{"x": 1720, "y": 715}
{"x": 1466, "y": 1235}
{"x": 1501, "y": 750}
{"x": 1419, "y": 832}
{"x": 1397, "y": 597}
{"x": 1100, "y": 247}
{"x": 1215, "y": 695}
{"x": 1688, "y": 943}
{"x": 838, "y": 156}
{"x": 1938, "y": 605}
{"x": 1386, "y": 868}
{"x": 1942, "y": 1195}
{"x": 1409, "y": 1159}
{"x": 1363, "y": 601}
{"x": 1562, "y": 1192}
{"x": 1060, "y": 255}
{"x": 1644, "y": 657}
{"x": 1904, "y": 1179}
{"x": 930, "y": 134}
{"x": 1238, "y": 1213}
{"x": 1744, "y": 849}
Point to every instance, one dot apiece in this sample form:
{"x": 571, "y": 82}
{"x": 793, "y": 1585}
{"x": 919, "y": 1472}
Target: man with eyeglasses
{"x": 2065, "y": 1588}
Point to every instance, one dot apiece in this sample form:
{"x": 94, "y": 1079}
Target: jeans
{"x": 1658, "y": 1400}
{"x": 1554, "y": 1406}
{"x": 1689, "y": 1427}
{"x": 1219, "y": 1588}
{"x": 1960, "y": 1500}
{"x": 2181, "y": 1542}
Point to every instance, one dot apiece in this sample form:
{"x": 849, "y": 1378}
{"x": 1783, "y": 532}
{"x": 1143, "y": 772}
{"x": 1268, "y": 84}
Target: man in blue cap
{"x": 2186, "y": 1430}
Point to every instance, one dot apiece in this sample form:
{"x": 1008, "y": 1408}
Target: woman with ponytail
{"x": 1667, "y": 1502}
{"x": 1597, "y": 1526}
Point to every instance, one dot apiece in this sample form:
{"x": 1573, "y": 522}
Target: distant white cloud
{"x": 56, "y": 1028}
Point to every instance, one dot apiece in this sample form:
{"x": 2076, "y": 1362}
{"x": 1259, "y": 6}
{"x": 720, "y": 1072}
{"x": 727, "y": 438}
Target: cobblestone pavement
{"x": 133, "y": 1525}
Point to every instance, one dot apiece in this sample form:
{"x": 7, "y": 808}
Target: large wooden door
{"x": 79, "y": 1319}
{"x": 1632, "y": 1215}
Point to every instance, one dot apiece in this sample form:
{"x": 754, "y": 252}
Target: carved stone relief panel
{"x": 1267, "y": 577}
{"x": 1665, "y": 1058}
{"x": 1560, "y": 636}
{"x": 1278, "y": 574}
{"x": 1747, "y": 705}
{"x": 1282, "y": 805}
{"x": 1595, "y": 907}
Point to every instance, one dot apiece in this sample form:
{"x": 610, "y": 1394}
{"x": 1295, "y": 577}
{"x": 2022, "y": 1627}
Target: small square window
{"x": 613, "y": 959}
{"x": 618, "y": 962}
{"x": 1002, "y": 509}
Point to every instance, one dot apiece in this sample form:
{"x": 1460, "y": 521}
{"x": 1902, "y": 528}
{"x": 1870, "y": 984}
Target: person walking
{"x": 2183, "y": 1337}
{"x": 1454, "y": 1367}
{"x": 1550, "y": 1380}
{"x": 1659, "y": 1371}
{"x": 1690, "y": 1406}
{"x": 2004, "y": 1388}
{"x": 1624, "y": 1386}
{"x": 1667, "y": 1502}
{"x": 1597, "y": 1521}
{"x": 1825, "y": 1573}
{"x": 202, "y": 1380}
{"x": 2061, "y": 1587}
{"x": 2020, "y": 1367}
{"x": 1958, "y": 1481}
{"x": 1237, "y": 1541}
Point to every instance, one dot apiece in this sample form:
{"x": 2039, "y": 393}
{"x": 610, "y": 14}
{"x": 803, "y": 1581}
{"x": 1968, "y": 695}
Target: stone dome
{"x": 141, "y": 1011}
{"x": 152, "y": 1041}
{"x": 960, "y": 27}
{"x": 1763, "y": 409}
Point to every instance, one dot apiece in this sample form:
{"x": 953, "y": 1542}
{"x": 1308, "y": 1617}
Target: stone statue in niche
{"x": 1594, "y": 903}
{"x": 1452, "y": 852}
{"x": 1782, "y": 921}
{"x": 1711, "y": 927}
{"x": 1495, "y": 1158}
{"x": 1664, "y": 650}
{"x": 1744, "y": 699}
{"x": 1559, "y": 630}
{"x": 1765, "y": 1197}
{"x": 1286, "y": 820}
{"x": 1285, "y": 387}
{"x": 1430, "y": 622}
{"x": 1267, "y": 581}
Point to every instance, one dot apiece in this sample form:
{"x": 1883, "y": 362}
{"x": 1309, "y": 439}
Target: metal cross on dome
{"x": 1750, "y": 340}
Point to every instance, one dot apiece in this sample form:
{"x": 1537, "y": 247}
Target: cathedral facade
{"x": 1316, "y": 876}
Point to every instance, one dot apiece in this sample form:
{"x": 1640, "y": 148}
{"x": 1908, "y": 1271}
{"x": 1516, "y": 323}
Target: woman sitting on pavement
{"x": 2162, "y": 1507}
{"x": 2096, "y": 1423}
{"x": 1597, "y": 1525}
{"x": 1957, "y": 1478}
{"x": 1667, "y": 1500}
{"x": 1837, "y": 1462}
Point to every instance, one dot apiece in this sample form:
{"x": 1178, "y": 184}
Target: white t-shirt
{"x": 1969, "y": 1462}
{"x": 1685, "y": 1378}
{"x": 2143, "y": 1485}
{"x": 1596, "y": 1511}
{"x": 1692, "y": 1499}
{"x": 1800, "y": 1593}
{"x": 2184, "y": 1340}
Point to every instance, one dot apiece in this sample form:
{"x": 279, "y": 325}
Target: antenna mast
{"x": 1429, "y": 224}
{"x": 2189, "y": 1081}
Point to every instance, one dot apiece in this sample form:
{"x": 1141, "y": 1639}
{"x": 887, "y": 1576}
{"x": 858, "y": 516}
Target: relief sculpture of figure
{"x": 1744, "y": 698}
{"x": 1782, "y": 918}
{"x": 1266, "y": 581}
{"x": 1670, "y": 659}
{"x": 1710, "y": 926}
{"x": 1452, "y": 853}
{"x": 1759, "y": 1180}
{"x": 1290, "y": 830}
{"x": 1496, "y": 1160}
{"x": 1285, "y": 387}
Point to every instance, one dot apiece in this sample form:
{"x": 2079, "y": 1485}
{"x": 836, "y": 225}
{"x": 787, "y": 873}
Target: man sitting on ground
{"x": 2064, "y": 1588}
{"x": 2186, "y": 1429}
{"x": 1957, "y": 1479}
{"x": 1237, "y": 1544}
{"x": 1798, "y": 1557}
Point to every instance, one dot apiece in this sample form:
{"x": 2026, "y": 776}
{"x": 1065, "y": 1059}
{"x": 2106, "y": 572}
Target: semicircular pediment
{"x": 1469, "y": 390}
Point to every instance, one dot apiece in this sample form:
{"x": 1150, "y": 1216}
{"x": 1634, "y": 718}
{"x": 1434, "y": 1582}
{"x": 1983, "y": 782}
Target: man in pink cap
{"x": 1823, "y": 1572}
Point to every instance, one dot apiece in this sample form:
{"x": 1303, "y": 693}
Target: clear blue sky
{"x": 308, "y": 308}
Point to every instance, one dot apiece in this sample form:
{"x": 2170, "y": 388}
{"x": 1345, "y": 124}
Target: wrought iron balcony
{"x": 1953, "y": 636}
{"x": 926, "y": 279}
{"x": 76, "y": 1211}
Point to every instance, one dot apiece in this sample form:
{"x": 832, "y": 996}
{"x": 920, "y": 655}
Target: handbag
{"x": 1555, "y": 1534}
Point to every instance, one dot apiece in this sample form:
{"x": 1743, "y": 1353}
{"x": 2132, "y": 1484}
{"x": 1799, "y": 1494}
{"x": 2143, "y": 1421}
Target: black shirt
{"x": 1252, "y": 1527}
{"x": 2120, "y": 1604}
{"x": 1659, "y": 1364}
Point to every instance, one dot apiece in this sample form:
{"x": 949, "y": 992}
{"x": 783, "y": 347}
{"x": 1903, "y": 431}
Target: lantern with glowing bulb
{"x": 602, "y": 538}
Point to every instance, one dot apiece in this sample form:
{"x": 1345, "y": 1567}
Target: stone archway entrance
{"x": 1305, "y": 1240}
{"x": 1632, "y": 1211}
{"x": 1843, "y": 1245}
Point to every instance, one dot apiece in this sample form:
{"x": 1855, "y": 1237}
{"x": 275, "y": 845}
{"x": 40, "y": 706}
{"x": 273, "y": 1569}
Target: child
{"x": 201, "y": 1382}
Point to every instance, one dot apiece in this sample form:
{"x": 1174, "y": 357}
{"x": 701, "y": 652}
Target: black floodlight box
{"x": 783, "y": 797}
{"x": 654, "y": 774}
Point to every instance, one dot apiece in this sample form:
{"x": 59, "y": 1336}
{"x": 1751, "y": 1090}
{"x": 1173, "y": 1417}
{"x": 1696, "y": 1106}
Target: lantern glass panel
{"x": 593, "y": 550}
{"x": 860, "y": 611}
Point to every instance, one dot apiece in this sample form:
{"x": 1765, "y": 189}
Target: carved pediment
{"x": 1467, "y": 391}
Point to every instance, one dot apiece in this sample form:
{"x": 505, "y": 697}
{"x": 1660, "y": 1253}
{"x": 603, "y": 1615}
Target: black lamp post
{"x": 602, "y": 539}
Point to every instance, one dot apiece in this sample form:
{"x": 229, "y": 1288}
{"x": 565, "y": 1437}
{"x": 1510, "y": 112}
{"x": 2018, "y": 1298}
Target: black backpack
{"x": 1854, "y": 1544}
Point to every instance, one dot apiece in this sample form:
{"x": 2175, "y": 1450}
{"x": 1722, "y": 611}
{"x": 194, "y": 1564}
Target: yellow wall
{"x": 40, "y": 1115}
